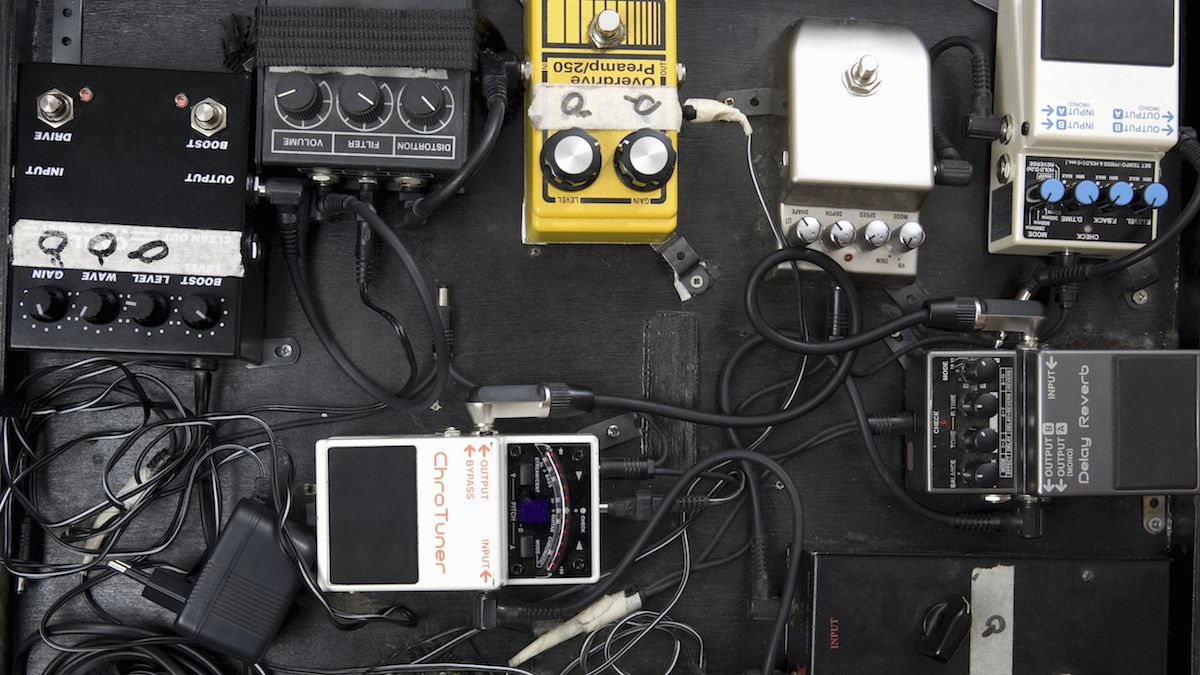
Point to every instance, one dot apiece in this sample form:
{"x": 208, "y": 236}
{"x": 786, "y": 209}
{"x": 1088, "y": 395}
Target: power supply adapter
{"x": 244, "y": 590}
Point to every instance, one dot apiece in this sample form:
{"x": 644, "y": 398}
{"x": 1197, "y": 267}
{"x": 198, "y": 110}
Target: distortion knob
{"x": 360, "y": 98}
{"x": 645, "y": 160}
{"x": 571, "y": 159}
{"x": 97, "y": 305}
{"x": 149, "y": 308}
{"x": 46, "y": 303}
{"x": 298, "y": 95}
{"x": 422, "y": 100}
{"x": 200, "y": 311}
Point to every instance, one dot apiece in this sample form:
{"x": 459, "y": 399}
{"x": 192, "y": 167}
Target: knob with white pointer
{"x": 422, "y": 100}
{"x": 806, "y": 231}
{"x": 298, "y": 95}
{"x": 148, "y": 308}
{"x": 876, "y": 233}
{"x": 46, "y": 303}
{"x": 645, "y": 160}
{"x": 97, "y": 305}
{"x": 982, "y": 474}
{"x": 911, "y": 235}
{"x": 200, "y": 311}
{"x": 359, "y": 97}
{"x": 841, "y": 233}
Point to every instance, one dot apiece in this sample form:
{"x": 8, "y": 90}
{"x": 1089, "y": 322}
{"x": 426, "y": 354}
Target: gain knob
{"x": 645, "y": 160}
{"x": 422, "y": 100}
{"x": 298, "y": 95}
{"x": 97, "y": 305}
{"x": 200, "y": 311}
{"x": 571, "y": 159}
{"x": 359, "y": 98}
{"x": 46, "y": 303}
{"x": 149, "y": 308}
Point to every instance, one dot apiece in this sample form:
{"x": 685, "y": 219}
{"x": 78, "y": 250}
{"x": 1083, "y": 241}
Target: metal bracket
{"x": 908, "y": 298}
{"x": 1154, "y": 514}
{"x": 66, "y": 45}
{"x": 760, "y": 101}
{"x": 615, "y": 431}
{"x": 277, "y": 352}
{"x": 1138, "y": 278}
{"x": 691, "y": 273}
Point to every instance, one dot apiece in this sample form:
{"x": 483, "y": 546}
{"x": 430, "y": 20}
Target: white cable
{"x": 708, "y": 110}
{"x": 606, "y": 610}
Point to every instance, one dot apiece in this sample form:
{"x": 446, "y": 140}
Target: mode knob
{"x": 645, "y": 160}
{"x": 911, "y": 235}
{"x": 571, "y": 159}
{"x": 982, "y": 474}
{"x": 149, "y": 308}
{"x": 97, "y": 305}
{"x": 200, "y": 311}
{"x": 841, "y": 233}
{"x": 979, "y": 371}
{"x": 359, "y": 97}
{"x": 982, "y": 406}
{"x": 981, "y": 440}
{"x": 876, "y": 233}
{"x": 298, "y": 95}
{"x": 422, "y": 100}
{"x": 46, "y": 303}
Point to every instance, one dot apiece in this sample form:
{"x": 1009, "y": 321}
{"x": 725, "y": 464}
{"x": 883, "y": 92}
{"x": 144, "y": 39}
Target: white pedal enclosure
{"x": 1089, "y": 93}
{"x": 860, "y": 150}
{"x": 457, "y": 513}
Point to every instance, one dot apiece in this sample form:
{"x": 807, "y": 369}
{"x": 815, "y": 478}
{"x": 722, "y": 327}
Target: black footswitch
{"x": 129, "y": 231}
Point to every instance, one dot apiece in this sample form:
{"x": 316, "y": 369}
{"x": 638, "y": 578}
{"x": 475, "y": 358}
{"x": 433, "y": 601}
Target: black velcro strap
{"x": 341, "y": 36}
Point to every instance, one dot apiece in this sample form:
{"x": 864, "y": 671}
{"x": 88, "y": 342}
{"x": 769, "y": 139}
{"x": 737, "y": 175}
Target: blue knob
{"x": 1086, "y": 193}
{"x": 1155, "y": 195}
{"x": 1120, "y": 193}
{"x": 1052, "y": 190}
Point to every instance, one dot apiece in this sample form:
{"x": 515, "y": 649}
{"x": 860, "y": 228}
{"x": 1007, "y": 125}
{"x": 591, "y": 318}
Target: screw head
{"x": 779, "y": 485}
{"x": 284, "y": 351}
{"x": 1141, "y": 296}
{"x": 1087, "y": 576}
{"x": 613, "y": 431}
{"x": 1004, "y": 169}
{"x": 697, "y": 281}
{"x": 1156, "y": 524}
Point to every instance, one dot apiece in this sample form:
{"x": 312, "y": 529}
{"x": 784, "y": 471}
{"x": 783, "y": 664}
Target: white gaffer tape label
{"x": 127, "y": 248}
{"x": 604, "y": 107}
{"x": 992, "y": 620}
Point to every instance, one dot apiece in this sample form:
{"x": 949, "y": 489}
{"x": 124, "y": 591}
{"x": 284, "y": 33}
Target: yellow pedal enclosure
{"x": 602, "y": 122}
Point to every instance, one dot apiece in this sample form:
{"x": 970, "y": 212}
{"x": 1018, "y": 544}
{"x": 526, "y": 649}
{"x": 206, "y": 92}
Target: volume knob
{"x": 298, "y": 95}
{"x": 645, "y": 160}
{"x": 571, "y": 159}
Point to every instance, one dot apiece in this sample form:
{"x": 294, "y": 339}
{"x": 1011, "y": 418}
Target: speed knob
{"x": 571, "y": 159}
{"x": 359, "y": 97}
{"x": 645, "y": 160}
{"x": 97, "y": 305}
{"x": 877, "y": 233}
{"x": 149, "y": 308}
{"x": 422, "y": 100}
{"x": 200, "y": 311}
{"x": 298, "y": 95}
{"x": 46, "y": 303}
{"x": 841, "y": 233}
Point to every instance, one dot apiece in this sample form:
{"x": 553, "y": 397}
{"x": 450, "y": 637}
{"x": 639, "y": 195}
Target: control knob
{"x": 841, "y": 233}
{"x": 1052, "y": 190}
{"x": 359, "y": 97}
{"x": 1084, "y": 193}
{"x": 982, "y": 474}
{"x": 645, "y": 160}
{"x": 46, "y": 303}
{"x": 298, "y": 95}
{"x": 806, "y": 231}
{"x": 876, "y": 233}
{"x": 571, "y": 159}
{"x": 911, "y": 235}
{"x": 982, "y": 406}
{"x": 422, "y": 100}
{"x": 981, "y": 440}
{"x": 979, "y": 371}
{"x": 97, "y": 305}
{"x": 149, "y": 308}
{"x": 200, "y": 311}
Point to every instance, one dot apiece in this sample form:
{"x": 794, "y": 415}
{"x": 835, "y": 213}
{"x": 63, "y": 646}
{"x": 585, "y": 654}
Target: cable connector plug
{"x": 627, "y": 468}
{"x": 529, "y": 401}
{"x": 989, "y": 315}
{"x": 764, "y": 608}
{"x": 645, "y": 503}
{"x": 500, "y": 79}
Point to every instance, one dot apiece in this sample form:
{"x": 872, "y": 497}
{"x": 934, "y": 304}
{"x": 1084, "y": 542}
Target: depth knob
{"x": 46, "y": 303}
{"x": 571, "y": 159}
{"x": 200, "y": 311}
{"x": 149, "y": 308}
{"x": 645, "y": 160}
{"x": 876, "y": 233}
{"x": 981, "y": 440}
{"x": 298, "y": 95}
{"x": 97, "y": 305}
{"x": 841, "y": 233}
{"x": 982, "y": 474}
{"x": 422, "y": 100}
{"x": 983, "y": 406}
{"x": 359, "y": 97}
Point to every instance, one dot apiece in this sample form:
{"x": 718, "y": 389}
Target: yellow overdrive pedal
{"x": 602, "y": 123}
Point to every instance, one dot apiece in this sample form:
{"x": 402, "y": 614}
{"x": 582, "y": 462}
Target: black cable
{"x": 919, "y": 344}
{"x": 980, "y": 123}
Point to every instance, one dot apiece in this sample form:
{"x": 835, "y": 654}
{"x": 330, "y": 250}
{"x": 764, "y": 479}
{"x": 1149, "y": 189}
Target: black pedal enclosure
{"x": 865, "y": 614}
{"x": 133, "y": 158}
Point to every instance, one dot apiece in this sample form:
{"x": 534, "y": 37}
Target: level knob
{"x": 911, "y": 235}
{"x": 1155, "y": 195}
{"x": 645, "y": 160}
{"x": 841, "y": 233}
{"x": 200, "y": 311}
{"x": 876, "y": 233}
{"x": 571, "y": 159}
{"x": 298, "y": 95}
{"x": 806, "y": 231}
{"x": 981, "y": 440}
{"x": 982, "y": 406}
{"x": 422, "y": 100}
{"x": 97, "y": 305}
{"x": 149, "y": 308}
{"x": 46, "y": 303}
{"x": 982, "y": 474}
{"x": 359, "y": 97}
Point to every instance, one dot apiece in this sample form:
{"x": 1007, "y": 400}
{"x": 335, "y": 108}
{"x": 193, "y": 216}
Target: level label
{"x": 409, "y": 146}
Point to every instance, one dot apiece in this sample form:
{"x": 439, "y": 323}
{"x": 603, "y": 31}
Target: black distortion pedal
{"x": 129, "y": 229}
{"x": 392, "y": 102}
